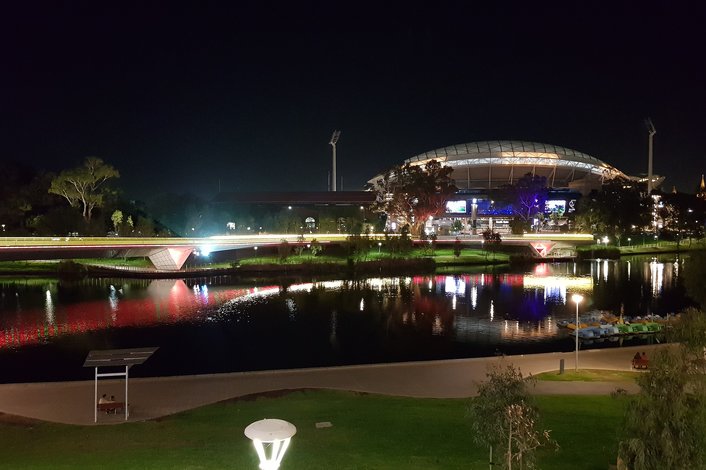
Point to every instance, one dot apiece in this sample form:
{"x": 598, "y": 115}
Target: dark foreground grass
{"x": 369, "y": 432}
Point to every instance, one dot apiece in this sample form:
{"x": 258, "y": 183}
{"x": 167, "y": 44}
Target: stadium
{"x": 481, "y": 168}
{"x": 495, "y": 163}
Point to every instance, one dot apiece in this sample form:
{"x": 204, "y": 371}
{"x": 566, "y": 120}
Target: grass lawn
{"x": 441, "y": 256}
{"x": 369, "y": 432}
{"x": 28, "y": 266}
{"x": 141, "y": 262}
{"x": 589, "y": 375}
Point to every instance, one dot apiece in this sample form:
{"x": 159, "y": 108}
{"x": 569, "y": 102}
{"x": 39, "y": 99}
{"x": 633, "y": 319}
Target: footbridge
{"x": 170, "y": 254}
{"x": 166, "y": 254}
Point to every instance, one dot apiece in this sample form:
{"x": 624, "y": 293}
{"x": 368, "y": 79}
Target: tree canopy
{"x": 614, "y": 210}
{"x": 410, "y": 194}
{"x": 526, "y": 196}
{"x": 83, "y": 186}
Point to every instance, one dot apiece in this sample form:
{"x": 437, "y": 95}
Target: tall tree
{"x": 84, "y": 186}
{"x": 665, "y": 424}
{"x": 410, "y": 194}
{"x": 526, "y": 196}
{"x": 618, "y": 209}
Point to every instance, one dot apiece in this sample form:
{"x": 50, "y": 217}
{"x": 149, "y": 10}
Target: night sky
{"x": 179, "y": 97}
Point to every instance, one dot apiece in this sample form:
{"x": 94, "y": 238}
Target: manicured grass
{"x": 294, "y": 259}
{"x": 369, "y": 432}
{"x": 28, "y": 266}
{"x": 441, "y": 256}
{"x": 589, "y": 375}
{"x": 110, "y": 262}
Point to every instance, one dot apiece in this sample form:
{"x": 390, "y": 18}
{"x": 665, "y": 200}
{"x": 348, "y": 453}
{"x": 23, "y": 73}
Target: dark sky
{"x": 177, "y": 97}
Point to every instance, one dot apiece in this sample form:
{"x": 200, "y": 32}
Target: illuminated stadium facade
{"x": 495, "y": 163}
{"x": 481, "y": 168}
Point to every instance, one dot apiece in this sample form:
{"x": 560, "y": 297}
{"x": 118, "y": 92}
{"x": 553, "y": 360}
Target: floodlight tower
{"x": 652, "y": 131}
{"x": 334, "y": 140}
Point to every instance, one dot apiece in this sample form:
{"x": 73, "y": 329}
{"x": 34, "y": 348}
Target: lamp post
{"x": 334, "y": 140}
{"x": 379, "y": 246}
{"x": 277, "y": 434}
{"x": 577, "y": 298}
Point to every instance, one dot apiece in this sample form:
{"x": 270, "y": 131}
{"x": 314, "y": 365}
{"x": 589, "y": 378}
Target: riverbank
{"x": 616, "y": 252}
{"x": 156, "y": 397}
{"x": 418, "y": 261}
{"x": 366, "y": 431}
{"x": 402, "y": 415}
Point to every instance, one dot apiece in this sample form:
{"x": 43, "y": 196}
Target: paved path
{"x": 72, "y": 402}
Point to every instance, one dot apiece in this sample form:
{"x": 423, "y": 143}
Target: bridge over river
{"x": 170, "y": 254}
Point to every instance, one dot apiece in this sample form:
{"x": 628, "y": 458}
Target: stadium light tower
{"x": 334, "y": 140}
{"x": 652, "y": 131}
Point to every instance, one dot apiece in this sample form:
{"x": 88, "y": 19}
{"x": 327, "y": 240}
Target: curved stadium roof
{"x": 493, "y": 163}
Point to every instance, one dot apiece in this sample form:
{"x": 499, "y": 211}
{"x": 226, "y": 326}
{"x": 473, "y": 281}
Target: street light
{"x": 578, "y": 298}
{"x": 275, "y": 432}
{"x": 379, "y": 246}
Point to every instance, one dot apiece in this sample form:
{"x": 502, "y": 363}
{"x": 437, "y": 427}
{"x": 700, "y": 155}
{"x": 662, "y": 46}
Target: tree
{"x": 504, "y": 417}
{"x": 410, "y": 194}
{"x": 665, "y": 425}
{"x": 491, "y": 240}
{"x": 457, "y": 247}
{"x": 694, "y": 275}
{"x": 84, "y": 186}
{"x": 117, "y": 219}
{"x": 145, "y": 227}
{"x": 284, "y": 250}
{"x": 616, "y": 210}
{"x": 315, "y": 247}
{"x": 527, "y": 196}
{"x": 680, "y": 214}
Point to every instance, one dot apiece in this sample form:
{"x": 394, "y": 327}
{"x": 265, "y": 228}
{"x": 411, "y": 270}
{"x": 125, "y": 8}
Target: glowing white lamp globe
{"x": 277, "y": 434}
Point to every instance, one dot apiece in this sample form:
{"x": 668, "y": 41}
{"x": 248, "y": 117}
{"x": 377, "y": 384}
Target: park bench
{"x": 642, "y": 363}
{"x": 112, "y": 407}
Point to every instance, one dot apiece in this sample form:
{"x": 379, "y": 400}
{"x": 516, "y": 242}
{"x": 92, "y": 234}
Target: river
{"x": 223, "y": 324}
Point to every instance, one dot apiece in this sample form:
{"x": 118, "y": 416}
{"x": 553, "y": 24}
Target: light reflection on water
{"x": 393, "y": 318}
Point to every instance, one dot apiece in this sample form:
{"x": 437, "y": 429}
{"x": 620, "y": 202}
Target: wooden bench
{"x": 640, "y": 363}
{"x": 112, "y": 407}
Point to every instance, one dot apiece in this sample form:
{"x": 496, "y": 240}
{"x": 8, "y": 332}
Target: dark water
{"x": 221, "y": 325}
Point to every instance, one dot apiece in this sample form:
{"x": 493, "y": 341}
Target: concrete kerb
{"x": 160, "y": 396}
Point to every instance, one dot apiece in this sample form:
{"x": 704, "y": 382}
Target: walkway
{"x": 72, "y": 402}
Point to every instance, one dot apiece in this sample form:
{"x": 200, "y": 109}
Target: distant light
{"x": 205, "y": 251}
{"x": 361, "y": 207}
{"x": 230, "y": 225}
{"x": 248, "y": 228}
{"x": 289, "y": 207}
{"x": 255, "y": 248}
{"x": 578, "y": 298}
{"x": 605, "y": 240}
